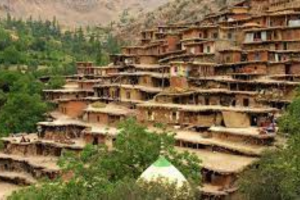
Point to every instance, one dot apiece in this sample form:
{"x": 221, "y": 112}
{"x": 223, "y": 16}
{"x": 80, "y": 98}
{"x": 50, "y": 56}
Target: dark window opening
{"x": 254, "y": 121}
{"x": 285, "y": 46}
{"x": 288, "y": 69}
{"x": 95, "y": 141}
{"x": 128, "y": 95}
{"x": 206, "y": 99}
{"x": 246, "y": 102}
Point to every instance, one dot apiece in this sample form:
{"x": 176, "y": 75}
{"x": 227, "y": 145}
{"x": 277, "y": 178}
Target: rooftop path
{"x": 239, "y": 147}
{"x": 205, "y": 108}
{"x": 249, "y": 132}
{"x": 265, "y": 80}
{"x": 221, "y": 162}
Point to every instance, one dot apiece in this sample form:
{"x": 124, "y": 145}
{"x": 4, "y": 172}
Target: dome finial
{"x": 162, "y": 148}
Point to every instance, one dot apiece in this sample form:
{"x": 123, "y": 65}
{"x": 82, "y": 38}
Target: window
{"x": 229, "y": 36}
{"x": 208, "y": 49}
{"x": 175, "y": 116}
{"x": 205, "y": 34}
{"x": 246, "y": 102}
{"x": 257, "y": 36}
{"x": 228, "y": 59}
{"x": 285, "y": 46}
{"x": 257, "y": 56}
{"x": 206, "y": 101}
{"x": 175, "y": 69}
{"x": 98, "y": 119}
{"x": 128, "y": 95}
{"x": 215, "y": 35}
{"x": 150, "y": 115}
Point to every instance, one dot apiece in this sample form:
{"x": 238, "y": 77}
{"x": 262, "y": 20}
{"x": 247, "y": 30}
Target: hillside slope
{"x": 172, "y": 12}
{"x": 77, "y": 12}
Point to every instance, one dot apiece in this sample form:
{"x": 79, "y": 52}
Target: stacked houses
{"x": 220, "y": 84}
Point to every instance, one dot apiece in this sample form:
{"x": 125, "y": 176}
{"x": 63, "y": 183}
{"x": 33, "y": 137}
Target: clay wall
{"x": 260, "y": 68}
{"x": 148, "y": 60}
{"x": 236, "y": 120}
{"x": 291, "y": 34}
{"x": 158, "y": 115}
{"x": 258, "y": 56}
{"x": 201, "y": 71}
{"x": 146, "y": 81}
{"x": 172, "y": 41}
{"x": 245, "y": 101}
{"x": 73, "y": 109}
{"x": 130, "y": 94}
{"x": 193, "y": 33}
{"x": 100, "y": 118}
{"x": 178, "y": 82}
{"x": 206, "y": 58}
{"x": 94, "y": 139}
{"x": 229, "y": 57}
{"x": 60, "y": 133}
{"x": 294, "y": 68}
{"x": 86, "y": 85}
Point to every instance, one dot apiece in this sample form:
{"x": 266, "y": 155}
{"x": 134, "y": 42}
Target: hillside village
{"x": 220, "y": 84}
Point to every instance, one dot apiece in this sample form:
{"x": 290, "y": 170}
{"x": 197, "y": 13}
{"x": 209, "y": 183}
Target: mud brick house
{"x": 110, "y": 114}
{"x": 219, "y": 84}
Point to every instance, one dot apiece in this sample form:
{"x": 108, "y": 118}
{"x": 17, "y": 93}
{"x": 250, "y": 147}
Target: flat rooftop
{"x": 221, "y": 162}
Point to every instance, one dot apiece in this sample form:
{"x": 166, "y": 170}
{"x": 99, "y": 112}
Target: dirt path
{"x": 6, "y": 189}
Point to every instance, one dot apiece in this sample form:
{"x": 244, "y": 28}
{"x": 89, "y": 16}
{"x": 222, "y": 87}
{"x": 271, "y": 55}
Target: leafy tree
{"x": 11, "y": 55}
{"x": 21, "y": 112}
{"x": 21, "y": 105}
{"x": 56, "y": 82}
{"x": 289, "y": 123}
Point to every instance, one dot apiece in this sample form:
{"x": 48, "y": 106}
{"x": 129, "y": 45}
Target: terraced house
{"x": 219, "y": 84}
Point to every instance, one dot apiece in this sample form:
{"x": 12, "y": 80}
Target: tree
{"x": 99, "y": 173}
{"x": 56, "y": 82}
{"x": 21, "y": 112}
{"x": 11, "y": 55}
{"x": 21, "y": 106}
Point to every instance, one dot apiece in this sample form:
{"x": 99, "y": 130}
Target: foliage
{"x": 277, "y": 175}
{"x": 56, "y": 82}
{"x": 100, "y": 173}
{"x": 21, "y": 105}
{"x": 42, "y": 43}
{"x": 289, "y": 122}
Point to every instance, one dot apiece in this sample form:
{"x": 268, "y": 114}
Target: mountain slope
{"x": 77, "y": 12}
{"x": 172, "y": 12}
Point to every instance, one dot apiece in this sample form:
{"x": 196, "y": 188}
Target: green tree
{"x": 56, "y": 82}
{"x": 11, "y": 55}
{"x": 21, "y": 112}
